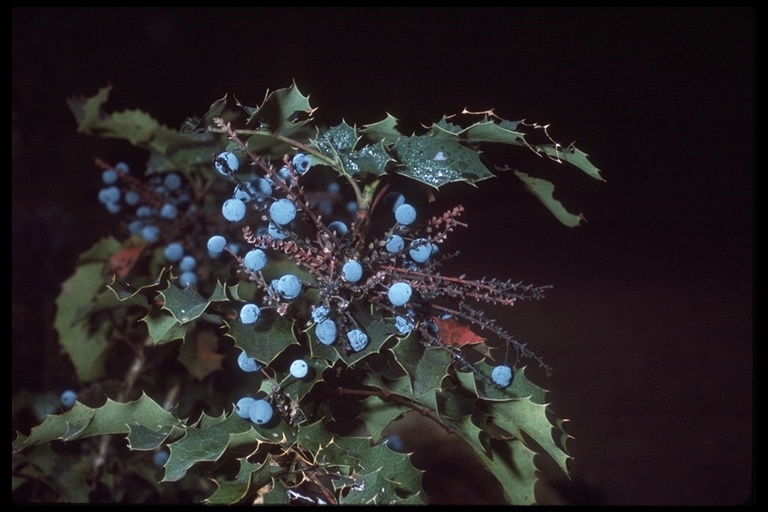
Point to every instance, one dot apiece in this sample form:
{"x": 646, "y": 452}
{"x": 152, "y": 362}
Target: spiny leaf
{"x": 573, "y": 156}
{"x": 86, "y": 347}
{"x": 282, "y": 112}
{"x": 250, "y": 476}
{"x": 426, "y": 367}
{"x": 383, "y": 131}
{"x": 519, "y": 409}
{"x": 338, "y": 144}
{"x": 264, "y": 340}
{"x": 111, "y": 418}
{"x": 164, "y": 328}
{"x": 437, "y": 161}
{"x": 140, "y": 437}
{"x": 378, "y": 414}
{"x": 485, "y": 131}
{"x": 202, "y": 444}
{"x": 455, "y": 333}
{"x": 511, "y": 462}
{"x": 388, "y": 478}
{"x": 186, "y": 304}
{"x": 543, "y": 190}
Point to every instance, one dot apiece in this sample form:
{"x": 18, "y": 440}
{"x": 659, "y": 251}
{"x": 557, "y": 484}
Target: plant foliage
{"x": 169, "y": 334}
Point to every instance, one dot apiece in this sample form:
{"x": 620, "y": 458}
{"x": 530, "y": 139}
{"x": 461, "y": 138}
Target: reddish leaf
{"x": 455, "y": 333}
{"x": 121, "y": 263}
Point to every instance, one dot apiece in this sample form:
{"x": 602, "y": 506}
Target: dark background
{"x": 649, "y": 327}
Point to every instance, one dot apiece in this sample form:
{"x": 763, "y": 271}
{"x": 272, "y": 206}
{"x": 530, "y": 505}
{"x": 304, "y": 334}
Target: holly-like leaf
{"x": 454, "y": 333}
{"x": 85, "y": 346}
{"x": 510, "y": 461}
{"x": 202, "y": 444}
{"x": 378, "y": 414}
{"x": 186, "y": 304}
{"x": 164, "y": 327}
{"x": 251, "y": 476}
{"x": 111, "y": 418}
{"x": 264, "y": 340}
{"x": 387, "y": 478}
{"x": 573, "y": 156}
{"x": 282, "y": 112}
{"x": 384, "y": 131}
{"x": 543, "y": 190}
{"x": 426, "y": 367}
{"x": 338, "y": 145}
{"x": 437, "y": 161}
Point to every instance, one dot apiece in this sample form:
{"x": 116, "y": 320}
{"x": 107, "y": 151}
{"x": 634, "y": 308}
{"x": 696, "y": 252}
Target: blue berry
{"x": 247, "y": 364}
{"x": 421, "y": 250}
{"x": 173, "y": 252}
{"x": 109, "y": 195}
{"x": 132, "y": 198}
{"x": 301, "y": 163}
{"x": 245, "y": 192}
{"x": 122, "y": 168}
{"x": 282, "y": 211}
{"x": 188, "y": 263}
{"x": 160, "y": 457}
{"x": 260, "y": 412}
{"x": 172, "y": 181}
{"x": 405, "y": 214}
{"x": 135, "y": 227}
{"x": 339, "y": 227}
{"x": 113, "y": 207}
{"x": 284, "y": 175}
{"x": 403, "y": 325}
{"x": 352, "y": 271}
{"x": 233, "y": 210}
{"x": 255, "y": 260}
{"x": 243, "y": 407}
{"x": 395, "y": 443}
{"x": 227, "y": 163}
{"x": 274, "y": 232}
{"x": 502, "y": 376}
{"x": 109, "y": 176}
{"x": 262, "y": 187}
{"x": 187, "y": 278}
{"x": 320, "y": 313}
{"x": 216, "y": 244}
{"x": 168, "y": 211}
{"x": 249, "y": 313}
{"x": 326, "y": 332}
{"x": 144, "y": 211}
{"x": 68, "y": 399}
{"x": 394, "y": 200}
{"x": 395, "y": 244}
{"x": 351, "y": 207}
{"x": 399, "y": 293}
{"x": 299, "y": 368}
{"x": 150, "y": 233}
{"x": 289, "y": 287}
{"x": 358, "y": 339}
{"x": 233, "y": 247}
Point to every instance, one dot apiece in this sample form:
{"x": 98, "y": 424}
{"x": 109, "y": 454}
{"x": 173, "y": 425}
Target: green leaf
{"x": 510, "y": 461}
{"x": 264, "y": 340}
{"x": 378, "y": 414}
{"x": 543, "y": 190}
{"x": 282, "y": 112}
{"x": 250, "y": 475}
{"x": 521, "y": 409}
{"x": 202, "y": 444}
{"x": 384, "y": 131}
{"x": 437, "y": 161}
{"x": 186, "y": 304}
{"x": 142, "y": 438}
{"x": 85, "y": 346}
{"x": 388, "y": 478}
{"x": 573, "y": 156}
{"x": 164, "y": 327}
{"x": 111, "y": 418}
{"x": 426, "y": 367}
{"x": 338, "y": 145}
{"x": 482, "y": 132}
